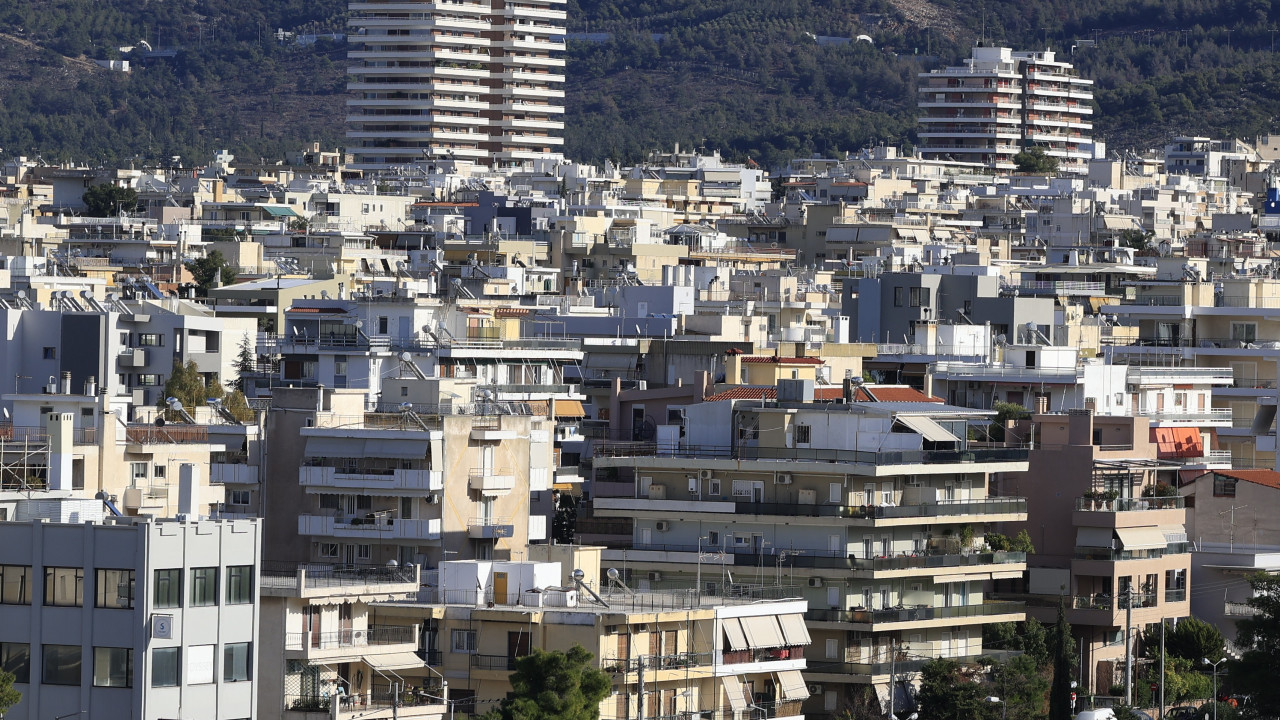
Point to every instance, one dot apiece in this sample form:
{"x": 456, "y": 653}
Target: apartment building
{"x": 876, "y": 511}
{"x": 669, "y": 653}
{"x": 1001, "y": 102}
{"x": 414, "y": 486}
{"x": 1108, "y": 528}
{"x": 111, "y": 617}
{"x": 477, "y": 81}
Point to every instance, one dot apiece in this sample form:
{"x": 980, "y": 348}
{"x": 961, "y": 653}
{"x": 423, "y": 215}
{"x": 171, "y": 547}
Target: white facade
{"x": 89, "y": 622}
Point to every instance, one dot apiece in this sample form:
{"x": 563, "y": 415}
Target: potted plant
{"x": 1109, "y": 496}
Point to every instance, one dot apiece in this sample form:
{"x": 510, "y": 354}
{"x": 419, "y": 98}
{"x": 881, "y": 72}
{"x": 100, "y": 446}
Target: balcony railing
{"x": 493, "y": 662}
{"x": 914, "y": 614}
{"x": 904, "y": 457}
{"x": 836, "y": 559}
{"x": 372, "y": 636}
{"x": 1106, "y": 601}
{"x": 669, "y": 661}
{"x": 943, "y": 508}
{"x": 1111, "y": 554}
{"x": 1239, "y": 609}
{"x": 167, "y": 434}
{"x": 1131, "y": 504}
{"x": 1173, "y": 595}
{"x": 791, "y": 652}
{"x": 317, "y": 575}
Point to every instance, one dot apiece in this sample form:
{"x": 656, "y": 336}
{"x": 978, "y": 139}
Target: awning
{"x": 570, "y": 409}
{"x": 793, "y": 629}
{"x": 1147, "y": 538}
{"x": 792, "y": 685}
{"x": 733, "y": 631}
{"x": 763, "y": 632}
{"x": 538, "y": 407}
{"x": 1094, "y": 537}
{"x": 736, "y": 691}
{"x": 279, "y": 211}
{"x": 1177, "y": 442}
{"x": 932, "y": 431}
{"x": 1263, "y": 420}
{"x": 394, "y": 661}
{"x": 335, "y": 447}
{"x": 406, "y": 449}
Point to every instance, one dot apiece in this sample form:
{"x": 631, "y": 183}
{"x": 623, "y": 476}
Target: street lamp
{"x": 1214, "y": 665}
{"x": 1004, "y": 707}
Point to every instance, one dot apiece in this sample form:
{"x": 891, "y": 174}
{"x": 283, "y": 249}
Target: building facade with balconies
{"x": 877, "y": 512}
{"x": 1109, "y": 532}
{"x": 478, "y": 81}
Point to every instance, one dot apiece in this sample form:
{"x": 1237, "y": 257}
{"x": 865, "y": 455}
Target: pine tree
{"x": 1060, "y": 691}
{"x": 245, "y": 363}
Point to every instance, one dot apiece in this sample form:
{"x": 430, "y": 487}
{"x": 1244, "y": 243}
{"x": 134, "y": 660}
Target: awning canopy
{"x": 1177, "y": 442}
{"x": 792, "y": 685}
{"x": 335, "y": 447}
{"x": 737, "y": 693}
{"x": 569, "y": 409}
{"x": 794, "y": 630}
{"x": 763, "y": 631}
{"x": 394, "y": 661}
{"x": 406, "y": 449}
{"x": 733, "y": 631}
{"x": 1147, "y": 538}
{"x": 279, "y": 211}
{"x": 932, "y": 431}
{"x": 1094, "y": 537}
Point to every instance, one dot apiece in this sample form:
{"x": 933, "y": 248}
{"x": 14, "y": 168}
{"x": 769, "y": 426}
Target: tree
{"x": 107, "y": 200}
{"x": 1018, "y": 543}
{"x": 1254, "y": 672}
{"x": 1006, "y": 411}
{"x": 948, "y": 691}
{"x": 8, "y": 696}
{"x": 1062, "y": 645}
{"x": 1191, "y": 639}
{"x": 1022, "y": 686}
{"x": 245, "y": 363}
{"x": 1034, "y": 160}
{"x": 206, "y": 269}
{"x": 554, "y": 686}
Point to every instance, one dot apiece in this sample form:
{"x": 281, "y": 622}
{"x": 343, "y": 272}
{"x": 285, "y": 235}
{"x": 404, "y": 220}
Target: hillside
{"x": 766, "y": 80}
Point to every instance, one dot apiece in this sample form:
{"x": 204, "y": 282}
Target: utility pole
{"x": 1128, "y": 646}
{"x": 1162, "y": 624}
{"x": 640, "y": 689}
{"x": 893, "y": 680}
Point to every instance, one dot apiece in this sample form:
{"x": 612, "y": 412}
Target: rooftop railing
{"x": 914, "y": 614}
{"x": 861, "y": 457}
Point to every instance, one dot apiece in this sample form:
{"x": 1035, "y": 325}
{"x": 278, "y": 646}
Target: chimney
{"x": 61, "y": 429}
{"x": 188, "y": 492}
{"x": 65, "y": 386}
{"x": 91, "y": 386}
{"x": 733, "y": 367}
{"x": 1042, "y": 404}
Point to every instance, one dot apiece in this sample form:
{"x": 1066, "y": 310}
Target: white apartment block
{"x": 1001, "y": 102}
{"x": 109, "y": 617}
{"x": 477, "y": 81}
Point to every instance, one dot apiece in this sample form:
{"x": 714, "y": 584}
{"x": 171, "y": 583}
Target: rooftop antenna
{"x": 1231, "y": 540}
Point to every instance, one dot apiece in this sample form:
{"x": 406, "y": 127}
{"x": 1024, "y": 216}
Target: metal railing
{"x": 1172, "y": 595}
{"x": 318, "y": 575}
{"x": 668, "y": 661}
{"x": 1131, "y": 504}
{"x": 349, "y": 637}
{"x": 942, "y": 508}
{"x": 1239, "y": 609}
{"x": 167, "y": 434}
{"x": 914, "y": 614}
{"x": 863, "y": 457}
{"x": 493, "y": 662}
{"x": 1111, "y": 554}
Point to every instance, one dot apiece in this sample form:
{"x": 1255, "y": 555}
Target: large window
{"x": 64, "y": 587}
{"x": 1224, "y": 486}
{"x": 112, "y": 667}
{"x": 464, "y": 641}
{"x": 15, "y": 584}
{"x": 164, "y": 667}
{"x": 239, "y": 584}
{"x": 61, "y": 664}
{"x": 204, "y": 586}
{"x": 200, "y": 664}
{"x": 168, "y": 591}
{"x": 235, "y": 662}
{"x": 114, "y": 589}
{"x": 15, "y": 658}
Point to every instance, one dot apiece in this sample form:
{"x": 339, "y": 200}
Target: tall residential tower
{"x": 462, "y": 80}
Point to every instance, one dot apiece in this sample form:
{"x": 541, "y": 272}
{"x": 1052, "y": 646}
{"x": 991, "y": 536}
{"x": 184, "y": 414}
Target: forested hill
{"x": 767, "y": 79}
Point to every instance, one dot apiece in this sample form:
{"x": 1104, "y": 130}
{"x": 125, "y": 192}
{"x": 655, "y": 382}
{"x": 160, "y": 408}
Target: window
{"x": 168, "y": 592}
{"x": 114, "y": 589}
{"x": 899, "y": 296}
{"x": 803, "y": 434}
{"x": 200, "y": 664}
{"x": 328, "y": 550}
{"x": 64, "y": 587}
{"x": 112, "y": 667}
{"x": 158, "y": 471}
{"x": 239, "y": 584}
{"x": 15, "y": 658}
{"x": 150, "y": 340}
{"x": 464, "y": 641}
{"x": 235, "y": 662}
{"x": 15, "y": 585}
{"x": 61, "y": 665}
{"x": 148, "y": 380}
{"x": 204, "y": 586}
{"x": 164, "y": 667}
{"x": 138, "y": 471}
{"x": 1224, "y": 486}
{"x": 50, "y": 353}
{"x": 919, "y": 297}
{"x": 238, "y": 497}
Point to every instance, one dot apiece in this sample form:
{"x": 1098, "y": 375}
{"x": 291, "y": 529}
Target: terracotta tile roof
{"x": 827, "y": 394}
{"x": 745, "y": 392}
{"x": 892, "y": 393}
{"x": 781, "y": 361}
{"x": 510, "y": 312}
{"x": 1270, "y": 478}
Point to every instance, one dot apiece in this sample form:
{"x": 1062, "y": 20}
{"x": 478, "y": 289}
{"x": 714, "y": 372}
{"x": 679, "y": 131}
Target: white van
{"x": 1099, "y": 714}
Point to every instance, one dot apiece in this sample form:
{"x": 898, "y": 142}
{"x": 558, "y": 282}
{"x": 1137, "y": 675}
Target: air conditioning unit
{"x": 815, "y": 582}
{"x": 706, "y": 474}
{"x": 782, "y": 478}
{"x": 432, "y": 499}
{"x": 663, "y": 526}
{"x": 815, "y": 689}
{"x": 359, "y": 637}
{"x": 655, "y": 576}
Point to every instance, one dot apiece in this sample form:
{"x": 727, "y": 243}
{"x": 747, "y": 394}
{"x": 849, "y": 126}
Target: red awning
{"x": 1177, "y": 442}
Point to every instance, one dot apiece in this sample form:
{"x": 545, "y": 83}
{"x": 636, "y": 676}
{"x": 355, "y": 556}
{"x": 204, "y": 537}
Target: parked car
{"x": 1185, "y": 712}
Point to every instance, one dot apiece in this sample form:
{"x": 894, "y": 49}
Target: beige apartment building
{"x": 1109, "y": 533}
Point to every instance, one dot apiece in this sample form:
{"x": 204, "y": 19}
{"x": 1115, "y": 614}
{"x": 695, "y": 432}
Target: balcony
{"x": 375, "y": 704}
{"x": 1207, "y": 416}
{"x": 503, "y": 663}
{"x": 166, "y": 434}
{"x": 1113, "y": 555}
{"x": 350, "y": 643}
{"x": 236, "y": 471}
{"x": 491, "y": 481}
{"x": 1142, "y": 504}
{"x": 670, "y": 661}
{"x": 490, "y": 528}
{"x": 1062, "y": 287}
{"x": 319, "y": 580}
{"x": 860, "y": 457}
{"x": 735, "y": 657}
{"x": 1012, "y": 506}
{"x": 371, "y": 478}
{"x": 386, "y": 529}
{"x": 1239, "y": 609}
{"x": 920, "y": 613}
{"x": 1174, "y": 595}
